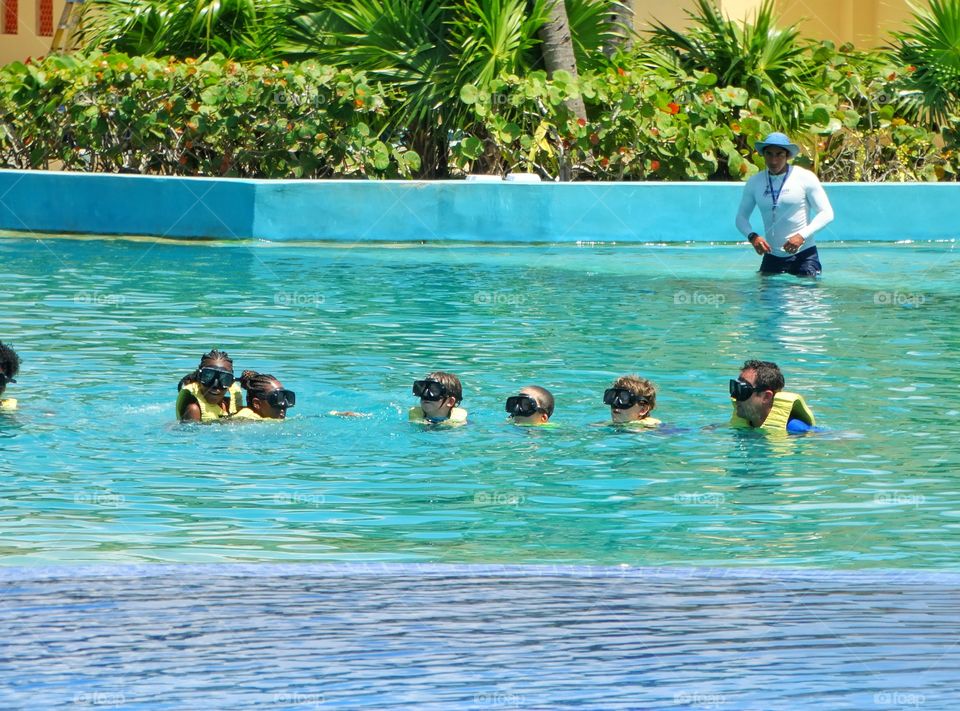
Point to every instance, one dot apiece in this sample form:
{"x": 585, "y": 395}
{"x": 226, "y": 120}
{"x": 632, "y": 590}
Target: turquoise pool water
{"x": 96, "y": 471}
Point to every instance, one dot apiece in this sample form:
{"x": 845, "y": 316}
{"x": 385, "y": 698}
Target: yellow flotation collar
{"x": 645, "y": 422}
{"x": 8, "y": 405}
{"x": 786, "y": 407}
{"x": 245, "y": 413}
{"x": 458, "y": 416}
{"x": 208, "y": 411}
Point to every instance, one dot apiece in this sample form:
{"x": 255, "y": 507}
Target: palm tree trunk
{"x": 558, "y": 55}
{"x": 621, "y": 17}
{"x": 558, "y": 51}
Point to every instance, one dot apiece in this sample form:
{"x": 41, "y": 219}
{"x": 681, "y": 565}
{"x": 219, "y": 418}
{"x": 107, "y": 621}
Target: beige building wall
{"x": 866, "y": 23}
{"x": 27, "y": 41}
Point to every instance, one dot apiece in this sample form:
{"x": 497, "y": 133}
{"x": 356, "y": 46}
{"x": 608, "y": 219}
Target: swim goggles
{"x": 281, "y": 399}
{"x": 429, "y": 390}
{"x": 621, "y": 399}
{"x": 215, "y": 378}
{"x": 741, "y": 390}
{"x": 522, "y": 406}
{"x": 4, "y": 379}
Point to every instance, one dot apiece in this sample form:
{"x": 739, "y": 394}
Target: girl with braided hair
{"x": 9, "y": 367}
{"x": 210, "y": 392}
{"x": 266, "y": 397}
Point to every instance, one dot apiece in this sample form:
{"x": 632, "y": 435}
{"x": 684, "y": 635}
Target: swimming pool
{"x": 98, "y": 471}
{"x": 99, "y": 474}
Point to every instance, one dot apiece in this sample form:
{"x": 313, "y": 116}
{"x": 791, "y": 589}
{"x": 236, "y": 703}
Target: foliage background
{"x": 405, "y": 89}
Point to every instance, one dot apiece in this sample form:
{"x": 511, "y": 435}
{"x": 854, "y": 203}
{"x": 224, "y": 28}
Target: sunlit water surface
{"x": 96, "y": 470}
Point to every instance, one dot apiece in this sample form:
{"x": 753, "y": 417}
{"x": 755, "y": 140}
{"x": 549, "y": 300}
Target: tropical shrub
{"x": 771, "y": 64}
{"x": 213, "y": 117}
{"x": 930, "y": 48}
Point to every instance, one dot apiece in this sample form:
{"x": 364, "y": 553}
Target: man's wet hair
{"x": 450, "y": 381}
{"x": 9, "y": 361}
{"x": 212, "y": 357}
{"x": 640, "y": 387}
{"x": 543, "y": 397}
{"x": 768, "y": 377}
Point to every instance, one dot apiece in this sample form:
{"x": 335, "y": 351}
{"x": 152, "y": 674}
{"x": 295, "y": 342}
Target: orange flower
{"x": 673, "y": 108}
{"x": 621, "y": 72}
{"x": 581, "y": 122}
{"x": 654, "y": 165}
{"x": 604, "y": 162}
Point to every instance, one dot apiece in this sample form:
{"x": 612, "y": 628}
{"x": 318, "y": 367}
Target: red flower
{"x": 891, "y": 76}
{"x": 604, "y": 162}
{"x": 621, "y": 72}
{"x": 594, "y": 138}
{"x": 581, "y": 122}
{"x": 911, "y": 68}
{"x": 673, "y": 108}
{"x": 654, "y": 165}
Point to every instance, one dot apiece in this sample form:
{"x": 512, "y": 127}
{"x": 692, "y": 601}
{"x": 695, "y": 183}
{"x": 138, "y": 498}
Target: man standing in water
{"x": 793, "y": 206}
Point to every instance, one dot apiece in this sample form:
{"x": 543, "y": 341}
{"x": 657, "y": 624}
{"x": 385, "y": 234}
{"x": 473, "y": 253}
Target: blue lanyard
{"x": 775, "y": 196}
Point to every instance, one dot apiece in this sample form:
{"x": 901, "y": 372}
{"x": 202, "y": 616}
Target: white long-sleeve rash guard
{"x": 800, "y": 193}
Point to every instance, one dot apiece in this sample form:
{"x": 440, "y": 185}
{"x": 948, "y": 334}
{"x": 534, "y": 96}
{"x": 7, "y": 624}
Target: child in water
{"x": 266, "y": 397}
{"x": 9, "y": 367}
{"x": 439, "y": 394}
{"x": 533, "y": 405}
{"x": 631, "y": 400}
{"x": 210, "y": 392}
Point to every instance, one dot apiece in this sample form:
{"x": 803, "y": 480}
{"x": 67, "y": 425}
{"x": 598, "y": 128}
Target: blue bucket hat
{"x": 778, "y": 140}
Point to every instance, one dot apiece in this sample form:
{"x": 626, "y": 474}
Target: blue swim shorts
{"x": 804, "y": 263}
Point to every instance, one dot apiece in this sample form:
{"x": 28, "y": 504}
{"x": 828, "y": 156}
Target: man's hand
{"x": 760, "y": 245}
{"x": 793, "y": 244}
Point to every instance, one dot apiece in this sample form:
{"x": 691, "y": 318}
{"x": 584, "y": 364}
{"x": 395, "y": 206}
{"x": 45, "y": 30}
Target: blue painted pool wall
{"x": 361, "y": 210}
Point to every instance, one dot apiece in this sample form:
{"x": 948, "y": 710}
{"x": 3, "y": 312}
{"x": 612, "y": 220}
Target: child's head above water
{"x": 439, "y": 394}
{"x": 532, "y": 405}
{"x": 214, "y": 375}
{"x": 630, "y": 398}
{"x": 9, "y": 366}
{"x": 266, "y": 396}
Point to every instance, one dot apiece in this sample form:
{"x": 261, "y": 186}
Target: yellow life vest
{"x": 245, "y": 413}
{"x": 8, "y": 405}
{"x": 458, "y": 416}
{"x": 208, "y": 411}
{"x": 645, "y": 422}
{"x": 786, "y": 406}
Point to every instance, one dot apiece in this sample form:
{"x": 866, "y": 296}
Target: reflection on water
{"x": 443, "y": 637}
{"x": 95, "y": 470}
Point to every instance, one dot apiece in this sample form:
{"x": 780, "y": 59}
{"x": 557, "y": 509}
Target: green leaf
{"x": 471, "y": 147}
{"x": 469, "y": 94}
